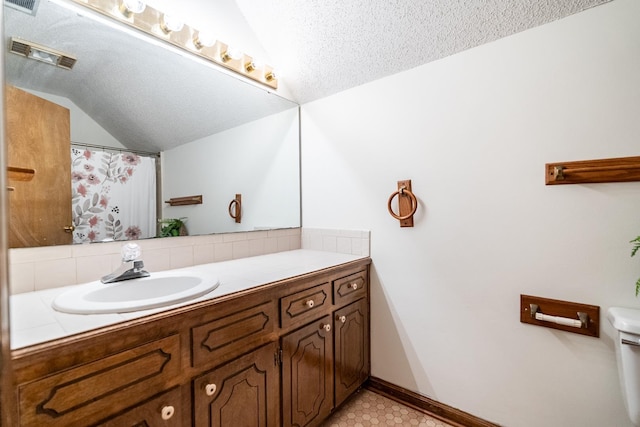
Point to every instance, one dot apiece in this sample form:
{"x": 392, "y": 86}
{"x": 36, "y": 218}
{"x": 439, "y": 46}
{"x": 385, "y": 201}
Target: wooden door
{"x": 351, "y": 349}
{"x": 244, "y": 392}
{"x": 39, "y": 138}
{"x": 307, "y": 374}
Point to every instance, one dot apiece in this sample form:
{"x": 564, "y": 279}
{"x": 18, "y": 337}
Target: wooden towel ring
{"x": 414, "y": 204}
{"x": 238, "y": 208}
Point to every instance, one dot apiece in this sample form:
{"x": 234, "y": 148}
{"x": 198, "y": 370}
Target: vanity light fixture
{"x": 154, "y": 23}
{"x": 202, "y": 39}
{"x": 41, "y": 53}
{"x": 169, "y": 24}
{"x": 130, "y": 7}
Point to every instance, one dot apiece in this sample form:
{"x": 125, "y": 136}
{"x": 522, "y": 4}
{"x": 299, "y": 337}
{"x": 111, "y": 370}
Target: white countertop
{"x": 34, "y": 321}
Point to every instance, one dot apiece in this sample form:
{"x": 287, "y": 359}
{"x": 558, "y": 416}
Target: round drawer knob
{"x": 342, "y": 319}
{"x": 167, "y": 412}
{"x": 326, "y": 327}
{"x": 354, "y": 286}
{"x": 210, "y": 389}
{"x": 310, "y": 303}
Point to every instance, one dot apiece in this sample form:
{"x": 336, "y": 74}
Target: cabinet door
{"x": 352, "y": 349}
{"x": 244, "y": 392}
{"x": 307, "y": 374}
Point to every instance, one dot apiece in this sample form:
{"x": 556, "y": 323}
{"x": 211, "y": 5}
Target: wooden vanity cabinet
{"x": 326, "y": 360}
{"x": 282, "y": 354}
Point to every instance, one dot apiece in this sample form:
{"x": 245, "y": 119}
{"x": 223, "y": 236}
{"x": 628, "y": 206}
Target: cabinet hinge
{"x": 277, "y": 357}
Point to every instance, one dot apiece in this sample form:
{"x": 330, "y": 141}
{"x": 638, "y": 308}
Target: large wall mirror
{"x": 128, "y": 95}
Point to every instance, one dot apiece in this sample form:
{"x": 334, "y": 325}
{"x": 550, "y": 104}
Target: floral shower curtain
{"x": 113, "y": 196}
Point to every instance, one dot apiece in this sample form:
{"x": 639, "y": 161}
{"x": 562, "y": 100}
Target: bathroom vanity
{"x": 284, "y": 353}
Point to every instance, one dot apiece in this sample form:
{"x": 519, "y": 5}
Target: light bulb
{"x": 203, "y": 39}
{"x": 169, "y": 24}
{"x": 129, "y": 7}
{"x": 230, "y": 54}
{"x": 253, "y": 65}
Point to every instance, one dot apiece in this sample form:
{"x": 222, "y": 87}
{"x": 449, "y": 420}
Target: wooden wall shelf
{"x": 188, "y": 200}
{"x": 621, "y": 169}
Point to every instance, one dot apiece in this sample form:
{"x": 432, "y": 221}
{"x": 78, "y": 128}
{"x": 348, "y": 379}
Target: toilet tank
{"x": 627, "y": 322}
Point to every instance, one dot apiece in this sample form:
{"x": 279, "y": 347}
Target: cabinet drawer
{"x": 87, "y": 393}
{"x": 233, "y": 334}
{"x": 305, "y": 305}
{"x": 350, "y": 288}
{"x": 163, "y": 410}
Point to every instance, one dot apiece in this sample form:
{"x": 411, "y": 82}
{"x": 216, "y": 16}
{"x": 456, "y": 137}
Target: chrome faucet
{"x": 131, "y": 267}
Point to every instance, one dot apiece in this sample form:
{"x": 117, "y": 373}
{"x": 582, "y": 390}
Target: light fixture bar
{"x": 153, "y": 22}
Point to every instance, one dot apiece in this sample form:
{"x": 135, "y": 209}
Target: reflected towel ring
{"x": 237, "y": 202}
{"x": 414, "y": 204}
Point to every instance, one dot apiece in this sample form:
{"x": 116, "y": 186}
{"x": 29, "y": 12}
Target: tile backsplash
{"x": 34, "y": 269}
{"x": 353, "y": 242}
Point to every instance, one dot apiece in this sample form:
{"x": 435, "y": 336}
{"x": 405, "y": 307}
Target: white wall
{"x": 259, "y": 160}
{"x": 473, "y": 132}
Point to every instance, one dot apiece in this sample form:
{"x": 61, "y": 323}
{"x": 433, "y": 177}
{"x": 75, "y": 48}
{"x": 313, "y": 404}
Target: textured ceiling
{"x": 326, "y": 46}
{"x": 155, "y": 100}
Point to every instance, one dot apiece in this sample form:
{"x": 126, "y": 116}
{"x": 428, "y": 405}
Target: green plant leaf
{"x": 637, "y": 287}
{"x": 636, "y": 245}
{"x": 172, "y": 227}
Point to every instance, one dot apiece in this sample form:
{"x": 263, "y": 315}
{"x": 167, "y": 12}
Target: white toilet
{"x": 627, "y": 322}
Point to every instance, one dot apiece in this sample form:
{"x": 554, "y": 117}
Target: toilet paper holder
{"x": 578, "y": 318}
{"x": 581, "y": 322}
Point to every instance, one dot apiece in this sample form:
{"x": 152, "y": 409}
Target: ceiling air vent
{"x": 66, "y": 62}
{"x": 19, "y": 47}
{"x": 26, "y": 6}
{"x": 41, "y": 53}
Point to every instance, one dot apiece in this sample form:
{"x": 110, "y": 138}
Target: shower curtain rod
{"x": 120, "y": 150}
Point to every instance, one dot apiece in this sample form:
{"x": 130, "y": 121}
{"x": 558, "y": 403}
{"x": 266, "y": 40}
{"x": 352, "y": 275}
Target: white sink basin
{"x": 159, "y": 290}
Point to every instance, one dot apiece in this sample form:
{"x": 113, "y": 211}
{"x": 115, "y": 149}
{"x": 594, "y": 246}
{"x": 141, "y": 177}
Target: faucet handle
{"x": 138, "y": 269}
{"x": 130, "y": 251}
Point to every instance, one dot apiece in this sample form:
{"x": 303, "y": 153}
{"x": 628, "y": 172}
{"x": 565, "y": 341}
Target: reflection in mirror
{"x": 256, "y": 160}
{"x": 217, "y": 135}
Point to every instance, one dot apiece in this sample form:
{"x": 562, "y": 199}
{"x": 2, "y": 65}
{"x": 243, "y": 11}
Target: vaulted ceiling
{"x": 319, "y": 47}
